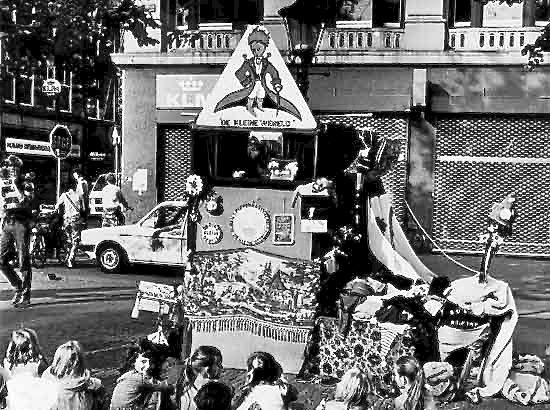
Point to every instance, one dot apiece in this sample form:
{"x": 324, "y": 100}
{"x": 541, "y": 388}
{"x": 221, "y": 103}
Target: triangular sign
{"x": 256, "y": 91}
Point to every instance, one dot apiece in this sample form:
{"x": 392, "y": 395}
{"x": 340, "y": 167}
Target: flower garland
{"x": 196, "y": 192}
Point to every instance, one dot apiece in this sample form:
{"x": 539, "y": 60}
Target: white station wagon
{"x": 158, "y": 238}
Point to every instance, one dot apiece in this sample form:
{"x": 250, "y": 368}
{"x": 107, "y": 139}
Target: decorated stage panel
{"x": 245, "y": 300}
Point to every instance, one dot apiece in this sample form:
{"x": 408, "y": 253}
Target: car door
{"x": 161, "y": 237}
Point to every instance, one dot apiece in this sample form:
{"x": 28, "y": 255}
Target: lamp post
{"x": 305, "y": 26}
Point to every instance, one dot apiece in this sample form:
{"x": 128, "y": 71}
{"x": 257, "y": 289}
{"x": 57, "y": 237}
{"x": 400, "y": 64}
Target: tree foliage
{"x": 74, "y": 35}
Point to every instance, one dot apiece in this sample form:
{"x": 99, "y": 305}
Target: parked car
{"x": 96, "y": 206}
{"x": 157, "y": 239}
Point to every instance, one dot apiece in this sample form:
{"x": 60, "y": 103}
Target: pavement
{"x": 528, "y": 278}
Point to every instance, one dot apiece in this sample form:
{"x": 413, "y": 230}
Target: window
{"x": 355, "y": 10}
{"x": 64, "y": 99}
{"x": 24, "y": 89}
{"x": 180, "y": 14}
{"x": 461, "y": 12}
{"x": 542, "y": 12}
{"x": 8, "y": 87}
{"x": 387, "y": 13}
{"x": 165, "y": 217}
{"x": 256, "y": 158}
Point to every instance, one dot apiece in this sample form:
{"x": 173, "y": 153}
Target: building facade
{"x": 27, "y": 116}
{"x": 444, "y": 76}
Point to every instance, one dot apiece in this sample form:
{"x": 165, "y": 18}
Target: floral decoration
{"x": 194, "y": 185}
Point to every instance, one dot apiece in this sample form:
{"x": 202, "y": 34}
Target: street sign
{"x": 61, "y": 141}
{"x": 51, "y": 87}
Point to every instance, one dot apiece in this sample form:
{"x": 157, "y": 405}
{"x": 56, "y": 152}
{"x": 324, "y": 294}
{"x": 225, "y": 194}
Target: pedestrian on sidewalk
{"x": 114, "y": 203}
{"x": 17, "y": 201}
{"x": 83, "y": 191}
{"x": 73, "y": 215}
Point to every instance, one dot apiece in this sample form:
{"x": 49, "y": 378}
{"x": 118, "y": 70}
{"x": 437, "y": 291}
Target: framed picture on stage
{"x": 283, "y": 229}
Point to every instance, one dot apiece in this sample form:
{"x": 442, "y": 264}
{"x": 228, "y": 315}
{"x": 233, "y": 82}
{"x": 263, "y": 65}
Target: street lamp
{"x": 305, "y": 25}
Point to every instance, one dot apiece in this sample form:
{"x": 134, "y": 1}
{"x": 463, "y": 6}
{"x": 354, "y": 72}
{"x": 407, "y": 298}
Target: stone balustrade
{"x": 492, "y": 38}
{"x": 351, "y": 39}
{"x": 205, "y": 40}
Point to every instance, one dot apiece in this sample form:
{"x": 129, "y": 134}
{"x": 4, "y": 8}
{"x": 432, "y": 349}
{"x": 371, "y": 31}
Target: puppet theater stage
{"x": 246, "y": 300}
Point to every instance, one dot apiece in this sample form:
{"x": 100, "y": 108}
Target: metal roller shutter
{"x": 173, "y": 161}
{"x": 478, "y": 161}
{"x": 396, "y": 180}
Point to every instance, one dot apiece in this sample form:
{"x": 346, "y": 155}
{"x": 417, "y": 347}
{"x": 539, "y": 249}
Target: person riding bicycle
{"x": 73, "y": 209}
{"x": 113, "y": 202}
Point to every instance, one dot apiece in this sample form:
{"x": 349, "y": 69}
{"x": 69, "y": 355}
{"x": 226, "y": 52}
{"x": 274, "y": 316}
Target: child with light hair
{"x": 76, "y": 389}
{"x": 355, "y": 392}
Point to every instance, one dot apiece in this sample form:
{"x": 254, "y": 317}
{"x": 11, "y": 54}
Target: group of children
{"x": 28, "y": 382}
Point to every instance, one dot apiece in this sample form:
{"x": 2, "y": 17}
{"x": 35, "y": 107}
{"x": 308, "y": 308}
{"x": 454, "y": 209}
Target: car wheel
{"x": 111, "y": 258}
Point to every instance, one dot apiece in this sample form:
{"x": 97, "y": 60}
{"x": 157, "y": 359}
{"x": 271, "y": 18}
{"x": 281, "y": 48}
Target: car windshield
{"x": 165, "y": 216}
{"x": 99, "y": 184}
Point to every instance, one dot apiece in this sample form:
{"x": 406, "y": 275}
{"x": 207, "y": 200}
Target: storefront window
{"x": 387, "y": 13}
{"x": 255, "y": 158}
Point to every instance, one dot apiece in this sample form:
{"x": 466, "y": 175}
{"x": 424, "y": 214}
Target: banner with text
{"x": 184, "y": 90}
{"x": 39, "y": 148}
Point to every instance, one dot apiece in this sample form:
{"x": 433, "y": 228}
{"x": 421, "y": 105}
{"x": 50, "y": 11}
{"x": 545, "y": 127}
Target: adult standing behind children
{"x": 112, "y": 200}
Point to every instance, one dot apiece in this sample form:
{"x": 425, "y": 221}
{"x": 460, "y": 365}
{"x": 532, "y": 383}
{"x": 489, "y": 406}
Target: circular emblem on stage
{"x": 250, "y": 224}
{"x": 212, "y": 233}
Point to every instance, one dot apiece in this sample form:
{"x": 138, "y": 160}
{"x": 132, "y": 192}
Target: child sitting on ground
{"x": 76, "y": 389}
{"x": 24, "y": 355}
{"x": 354, "y": 392}
{"x": 409, "y": 378}
{"x": 136, "y": 388}
{"x": 265, "y": 387}
{"x": 214, "y": 396}
{"x": 202, "y": 367}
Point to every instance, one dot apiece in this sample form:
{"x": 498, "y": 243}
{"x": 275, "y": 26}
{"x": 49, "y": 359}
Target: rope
{"x": 435, "y": 244}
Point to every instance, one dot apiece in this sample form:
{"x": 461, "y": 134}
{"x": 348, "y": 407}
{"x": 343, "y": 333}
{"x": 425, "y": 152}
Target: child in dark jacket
{"x": 136, "y": 388}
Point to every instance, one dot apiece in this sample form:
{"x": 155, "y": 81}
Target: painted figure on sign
{"x": 253, "y": 76}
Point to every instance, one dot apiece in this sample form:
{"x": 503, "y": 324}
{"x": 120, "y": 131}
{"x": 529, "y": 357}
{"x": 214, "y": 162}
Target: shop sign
{"x": 39, "y": 148}
{"x": 97, "y": 156}
{"x": 256, "y": 90}
{"x": 184, "y": 90}
{"x": 51, "y": 87}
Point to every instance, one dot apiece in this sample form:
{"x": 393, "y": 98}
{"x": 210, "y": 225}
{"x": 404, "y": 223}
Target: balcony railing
{"x": 362, "y": 39}
{"x": 491, "y": 39}
{"x": 206, "y": 41}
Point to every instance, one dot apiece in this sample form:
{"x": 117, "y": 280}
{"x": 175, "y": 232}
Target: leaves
{"x": 534, "y": 52}
{"x": 75, "y": 35}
